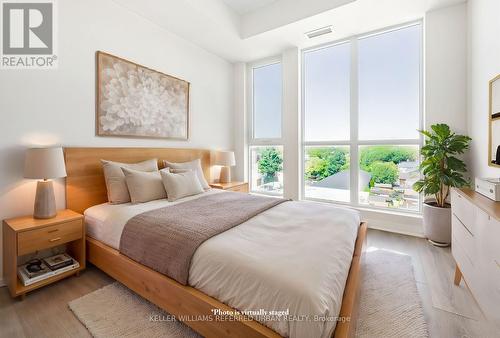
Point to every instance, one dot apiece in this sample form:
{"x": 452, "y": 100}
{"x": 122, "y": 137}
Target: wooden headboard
{"x": 85, "y": 185}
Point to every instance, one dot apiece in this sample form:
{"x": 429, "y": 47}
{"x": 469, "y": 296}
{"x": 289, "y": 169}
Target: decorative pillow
{"x": 115, "y": 178}
{"x": 177, "y": 171}
{"x": 179, "y": 185}
{"x": 194, "y": 166}
{"x": 144, "y": 186}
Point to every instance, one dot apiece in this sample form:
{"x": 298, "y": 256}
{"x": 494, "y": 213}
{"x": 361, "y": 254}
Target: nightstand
{"x": 27, "y": 235}
{"x": 231, "y": 186}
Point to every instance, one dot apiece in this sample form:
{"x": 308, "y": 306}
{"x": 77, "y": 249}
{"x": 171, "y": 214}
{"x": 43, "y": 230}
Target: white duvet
{"x": 292, "y": 258}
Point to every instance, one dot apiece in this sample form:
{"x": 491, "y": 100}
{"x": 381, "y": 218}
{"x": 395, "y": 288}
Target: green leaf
{"x": 425, "y": 133}
{"x": 456, "y": 164}
{"x": 442, "y": 130}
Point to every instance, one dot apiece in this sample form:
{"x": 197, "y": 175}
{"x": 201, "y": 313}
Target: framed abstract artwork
{"x": 136, "y": 101}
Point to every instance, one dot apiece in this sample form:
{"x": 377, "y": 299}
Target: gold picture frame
{"x": 494, "y": 121}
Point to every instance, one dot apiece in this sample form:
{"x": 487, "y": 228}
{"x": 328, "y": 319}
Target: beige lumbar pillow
{"x": 144, "y": 186}
{"x": 115, "y": 178}
{"x": 181, "y": 184}
{"x": 195, "y": 166}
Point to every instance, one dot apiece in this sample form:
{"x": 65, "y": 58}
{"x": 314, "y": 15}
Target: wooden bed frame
{"x": 85, "y": 187}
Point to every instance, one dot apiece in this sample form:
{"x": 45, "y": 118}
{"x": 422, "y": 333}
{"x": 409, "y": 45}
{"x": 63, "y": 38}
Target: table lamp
{"x": 44, "y": 163}
{"x": 226, "y": 160}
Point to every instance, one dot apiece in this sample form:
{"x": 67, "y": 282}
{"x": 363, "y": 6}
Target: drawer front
{"x": 463, "y": 236}
{"x": 463, "y": 261}
{"x": 495, "y": 299}
{"x": 488, "y": 237}
{"x": 47, "y": 237}
{"x": 463, "y": 210}
{"x": 493, "y": 239}
{"x": 240, "y": 188}
{"x": 489, "y": 294}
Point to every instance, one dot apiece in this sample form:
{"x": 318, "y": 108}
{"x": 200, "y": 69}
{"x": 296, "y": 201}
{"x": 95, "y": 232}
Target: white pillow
{"x": 144, "y": 186}
{"x": 115, "y": 178}
{"x": 182, "y": 184}
{"x": 194, "y": 166}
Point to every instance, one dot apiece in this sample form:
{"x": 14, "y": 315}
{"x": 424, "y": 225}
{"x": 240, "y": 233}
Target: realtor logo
{"x": 28, "y": 34}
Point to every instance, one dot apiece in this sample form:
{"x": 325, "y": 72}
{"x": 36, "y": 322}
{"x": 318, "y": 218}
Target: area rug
{"x": 390, "y": 306}
{"x": 115, "y": 311}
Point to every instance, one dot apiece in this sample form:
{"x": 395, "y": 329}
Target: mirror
{"x": 494, "y": 118}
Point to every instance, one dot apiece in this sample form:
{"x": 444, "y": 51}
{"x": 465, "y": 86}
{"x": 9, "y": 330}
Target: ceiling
{"x": 248, "y": 30}
{"x": 245, "y": 6}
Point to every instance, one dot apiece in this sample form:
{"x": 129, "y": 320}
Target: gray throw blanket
{"x": 166, "y": 239}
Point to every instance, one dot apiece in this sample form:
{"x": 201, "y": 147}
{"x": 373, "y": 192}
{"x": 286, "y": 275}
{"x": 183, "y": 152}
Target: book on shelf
{"x": 61, "y": 265}
{"x": 58, "y": 261}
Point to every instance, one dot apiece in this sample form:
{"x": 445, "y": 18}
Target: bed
{"x": 325, "y": 281}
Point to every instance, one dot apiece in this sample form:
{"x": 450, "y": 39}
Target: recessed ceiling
{"x": 279, "y": 25}
{"x": 246, "y": 6}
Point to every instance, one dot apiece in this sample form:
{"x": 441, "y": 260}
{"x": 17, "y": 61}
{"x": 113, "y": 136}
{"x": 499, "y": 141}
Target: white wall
{"x": 240, "y": 172}
{"x": 291, "y": 122}
{"x": 43, "y": 107}
{"x": 484, "y": 64}
{"x": 446, "y": 67}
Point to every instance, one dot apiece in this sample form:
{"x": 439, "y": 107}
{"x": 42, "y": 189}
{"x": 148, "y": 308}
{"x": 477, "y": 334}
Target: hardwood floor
{"x": 450, "y": 310}
{"x": 45, "y": 312}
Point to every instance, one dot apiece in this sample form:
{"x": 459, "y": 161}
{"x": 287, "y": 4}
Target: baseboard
{"x": 397, "y": 231}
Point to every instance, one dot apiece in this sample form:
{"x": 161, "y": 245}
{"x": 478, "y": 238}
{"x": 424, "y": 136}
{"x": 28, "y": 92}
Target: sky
{"x": 388, "y": 90}
{"x": 267, "y": 86}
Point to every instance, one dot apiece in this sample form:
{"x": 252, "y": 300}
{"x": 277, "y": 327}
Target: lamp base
{"x": 45, "y": 201}
{"x": 225, "y": 175}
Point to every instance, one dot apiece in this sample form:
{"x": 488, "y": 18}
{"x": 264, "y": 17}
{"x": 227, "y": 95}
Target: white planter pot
{"x": 437, "y": 224}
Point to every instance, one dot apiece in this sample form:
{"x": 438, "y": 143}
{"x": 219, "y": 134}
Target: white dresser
{"x": 476, "y": 247}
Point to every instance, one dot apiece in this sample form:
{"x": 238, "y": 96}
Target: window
{"x": 267, "y": 94}
{"x": 389, "y": 85}
{"x": 327, "y": 93}
{"x": 265, "y": 145}
{"x": 386, "y": 176}
{"x": 326, "y": 173}
{"x": 361, "y": 112}
{"x": 326, "y": 122}
{"x": 266, "y": 174}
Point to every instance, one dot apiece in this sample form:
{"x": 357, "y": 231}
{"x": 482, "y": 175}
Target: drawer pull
{"x": 53, "y": 230}
{"x": 55, "y": 239}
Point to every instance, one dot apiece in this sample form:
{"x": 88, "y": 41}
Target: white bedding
{"x": 295, "y": 256}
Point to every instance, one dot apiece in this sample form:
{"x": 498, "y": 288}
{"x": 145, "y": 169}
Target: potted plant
{"x": 442, "y": 170}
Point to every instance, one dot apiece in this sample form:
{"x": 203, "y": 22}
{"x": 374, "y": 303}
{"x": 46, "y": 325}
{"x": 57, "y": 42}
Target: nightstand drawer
{"x": 47, "y": 237}
{"x": 239, "y": 188}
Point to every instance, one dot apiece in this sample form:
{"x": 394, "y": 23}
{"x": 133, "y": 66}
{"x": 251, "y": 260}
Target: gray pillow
{"x": 115, "y": 178}
{"x": 144, "y": 186}
{"x": 181, "y": 184}
{"x": 194, "y": 165}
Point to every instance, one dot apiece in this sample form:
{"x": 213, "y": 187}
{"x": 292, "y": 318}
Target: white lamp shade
{"x": 225, "y": 158}
{"x": 44, "y": 163}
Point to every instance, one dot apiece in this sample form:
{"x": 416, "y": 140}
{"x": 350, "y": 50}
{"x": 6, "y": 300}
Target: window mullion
{"x": 354, "y": 115}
